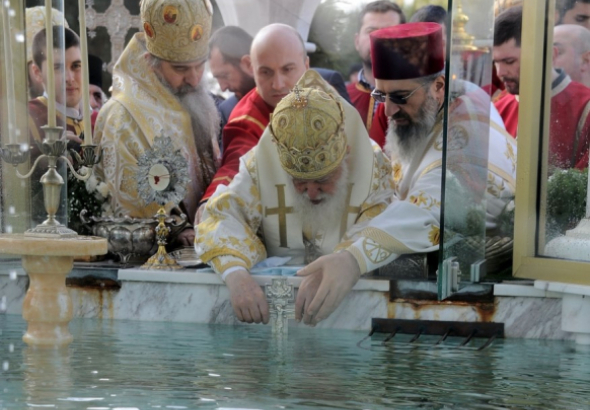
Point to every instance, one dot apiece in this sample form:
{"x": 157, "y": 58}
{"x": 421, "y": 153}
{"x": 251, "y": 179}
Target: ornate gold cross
{"x": 300, "y": 101}
{"x": 282, "y": 212}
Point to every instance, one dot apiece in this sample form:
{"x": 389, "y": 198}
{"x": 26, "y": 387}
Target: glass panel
{"x": 563, "y": 218}
{"x": 25, "y": 111}
{"x": 475, "y": 195}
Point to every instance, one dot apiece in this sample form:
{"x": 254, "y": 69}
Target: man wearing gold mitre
{"x": 313, "y": 181}
{"x": 408, "y": 66}
{"x": 157, "y": 91}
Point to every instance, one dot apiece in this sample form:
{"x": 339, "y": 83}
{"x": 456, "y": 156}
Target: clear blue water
{"x": 154, "y": 365}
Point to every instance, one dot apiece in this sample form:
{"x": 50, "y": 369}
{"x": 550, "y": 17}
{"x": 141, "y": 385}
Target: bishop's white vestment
{"x": 254, "y": 216}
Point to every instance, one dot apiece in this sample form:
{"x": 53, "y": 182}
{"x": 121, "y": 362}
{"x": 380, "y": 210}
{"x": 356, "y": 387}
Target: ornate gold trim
{"x": 360, "y": 258}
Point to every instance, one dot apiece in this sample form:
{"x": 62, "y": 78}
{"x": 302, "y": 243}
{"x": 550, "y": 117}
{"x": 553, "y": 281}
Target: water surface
{"x": 156, "y": 365}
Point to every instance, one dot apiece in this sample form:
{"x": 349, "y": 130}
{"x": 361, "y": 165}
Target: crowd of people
{"x": 298, "y": 165}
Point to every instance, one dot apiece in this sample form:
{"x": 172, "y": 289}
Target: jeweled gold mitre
{"x": 177, "y": 30}
{"x": 308, "y": 128}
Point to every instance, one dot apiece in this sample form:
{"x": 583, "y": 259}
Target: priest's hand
{"x": 186, "y": 237}
{"x": 73, "y": 137}
{"x": 326, "y": 282}
{"x": 247, "y": 297}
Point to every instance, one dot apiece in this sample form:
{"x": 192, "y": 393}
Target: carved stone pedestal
{"x": 47, "y": 307}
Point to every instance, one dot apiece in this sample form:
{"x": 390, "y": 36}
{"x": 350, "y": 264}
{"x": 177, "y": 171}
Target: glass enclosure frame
{"x": 535, "y": 90}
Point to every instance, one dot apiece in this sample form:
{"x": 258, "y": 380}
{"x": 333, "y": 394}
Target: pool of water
{"x": 155, "y": 365}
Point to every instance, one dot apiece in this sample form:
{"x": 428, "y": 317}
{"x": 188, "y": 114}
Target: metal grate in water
{"x": 445, "y": 329}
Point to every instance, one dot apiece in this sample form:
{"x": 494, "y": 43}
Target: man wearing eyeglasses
{"x": 408, "y": 66}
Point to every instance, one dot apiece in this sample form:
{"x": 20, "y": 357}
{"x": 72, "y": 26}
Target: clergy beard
{"x": 246, "y": 84}
{"x": 201, "y": 108}
{"x": 404, "y": 140}
{"x": 204, "y": 115}
{"x": 320, "y": 216}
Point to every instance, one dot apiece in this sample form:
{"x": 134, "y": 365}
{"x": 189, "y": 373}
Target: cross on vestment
{"x": 281, "y": 297}
{"x": 281, "y": 210}
{"x": 349, "y": 210}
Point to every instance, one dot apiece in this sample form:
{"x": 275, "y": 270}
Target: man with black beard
{"x": 408, "y": 66}
{"x": 157, "y": 91}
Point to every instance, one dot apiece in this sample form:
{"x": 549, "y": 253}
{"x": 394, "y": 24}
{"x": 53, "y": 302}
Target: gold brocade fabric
{"x": 140, "y": 109}
{"x": 177, "y": 30}
{"x": 306, "y": 126}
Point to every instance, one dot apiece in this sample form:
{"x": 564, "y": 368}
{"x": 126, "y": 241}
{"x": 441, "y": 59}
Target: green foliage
{"x": 566, "y": 200}
{"x": 332, "y": 31}
{"x": 90, "y": 195}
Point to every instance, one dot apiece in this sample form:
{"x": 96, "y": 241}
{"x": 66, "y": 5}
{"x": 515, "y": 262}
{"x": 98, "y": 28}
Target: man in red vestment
{"x": 277, "y": 60}
{"x": 569, "y": 131}
{"x": 374, "y": 16}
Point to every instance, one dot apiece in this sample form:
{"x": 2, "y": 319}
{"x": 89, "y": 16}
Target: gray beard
{"x": 404, "y": 141}
{"x": 204, "y": 116}
{"x": 327, "y": 213}
{"x": 203, "y": 113}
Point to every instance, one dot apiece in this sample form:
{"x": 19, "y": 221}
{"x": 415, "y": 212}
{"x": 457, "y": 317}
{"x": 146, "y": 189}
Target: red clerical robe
{"x": 363, "y": 102}
{"x": 244, "y": 128}
{"x": 378, "y": 129}
{"x": 569, "y": 131}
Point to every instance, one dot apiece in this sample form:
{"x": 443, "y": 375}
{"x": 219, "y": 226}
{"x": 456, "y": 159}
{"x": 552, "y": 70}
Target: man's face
{"x": 567, "y": 58}
{"x": 277, "y": 70}
{"x": 507, "y": 61}
{"x": 406, "y": 114}
{"x": 95, "y": 96}
{"x": 229, "y": 76}
{"x": 319, "y": 190}
{"x": 181, "y": 77}
{"x": 372, "y": 22}
{"x": 410, "y": 123}
{"x": 72, "y": 70}
{"x": 579, "y": 14}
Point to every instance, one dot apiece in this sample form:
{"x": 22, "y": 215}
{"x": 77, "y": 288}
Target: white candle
{"x": 85, "y": 75}
{"x": 8, "y": 71}
{"x": 51, "y": 119}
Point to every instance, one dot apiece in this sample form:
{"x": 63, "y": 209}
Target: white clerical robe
{"x": 254, "y": 216}
{"x": 411, "y": 223}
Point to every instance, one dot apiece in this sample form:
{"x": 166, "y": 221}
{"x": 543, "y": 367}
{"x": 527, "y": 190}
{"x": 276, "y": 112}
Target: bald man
{"x": 277, "y": 61}
{"x": 572, "y": 52}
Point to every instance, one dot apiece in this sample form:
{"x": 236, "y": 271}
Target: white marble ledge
{"x": 524, "y": 290}
{"x": 562, "y": 288}
{"x": 9, "y": 269}
{"x": 207, "y": 278}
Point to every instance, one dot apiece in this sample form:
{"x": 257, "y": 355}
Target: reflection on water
{"x": 146, "y": 365}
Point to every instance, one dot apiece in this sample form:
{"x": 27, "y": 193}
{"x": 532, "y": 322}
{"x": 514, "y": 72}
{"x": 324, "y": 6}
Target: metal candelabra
{"x": 53, "y": 148}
